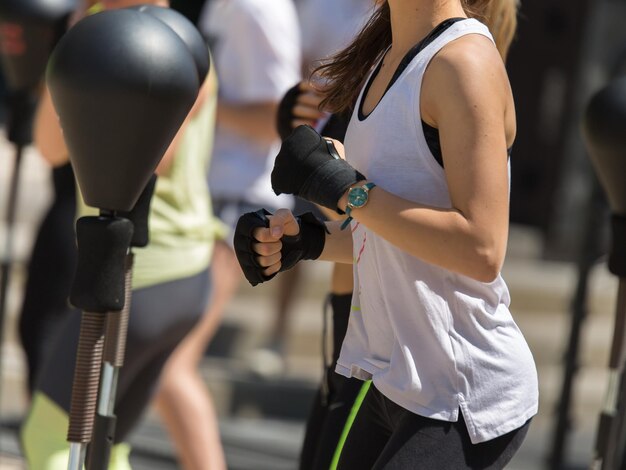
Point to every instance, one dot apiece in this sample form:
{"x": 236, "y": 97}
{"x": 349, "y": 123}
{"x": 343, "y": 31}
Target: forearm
{"x": 443, "y": 237}
{"x": 47, "y": 133}
{"x": 338, "y": 245}
{"x": 252, "y": 121}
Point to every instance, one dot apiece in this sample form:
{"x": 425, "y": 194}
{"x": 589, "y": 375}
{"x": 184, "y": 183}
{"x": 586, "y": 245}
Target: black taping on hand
{"x": 306, "y": 167}
{"x": 617, "y": 256}
{"x": 285, "y": 116}
{"x": 308, "y": 244}
{"x": 243, "y": 241}
{"x": 99, "y": 282}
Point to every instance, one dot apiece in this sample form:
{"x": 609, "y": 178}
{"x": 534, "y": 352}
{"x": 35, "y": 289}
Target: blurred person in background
{"x": 50, "y": 273}
{"x": 170, "y": 284}
{"x": 424, "y": 182}
{"x": 256, "y": 51}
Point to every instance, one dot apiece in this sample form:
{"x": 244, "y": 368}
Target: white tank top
{"x": 433, "y": 341}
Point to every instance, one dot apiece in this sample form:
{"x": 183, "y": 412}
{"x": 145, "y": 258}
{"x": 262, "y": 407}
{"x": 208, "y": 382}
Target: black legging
{"x": 385, "y": 436}
{"x": 160, "y": 317}
{"x": 50, "y": 273}
{"x": 333, "y": 402}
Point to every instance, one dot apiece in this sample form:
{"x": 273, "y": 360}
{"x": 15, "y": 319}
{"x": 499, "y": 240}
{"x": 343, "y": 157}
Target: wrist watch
{"x": 357, "y": 197}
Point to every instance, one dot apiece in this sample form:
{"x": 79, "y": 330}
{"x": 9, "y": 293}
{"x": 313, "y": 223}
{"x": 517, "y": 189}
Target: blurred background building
{"x": 565, "y": 51}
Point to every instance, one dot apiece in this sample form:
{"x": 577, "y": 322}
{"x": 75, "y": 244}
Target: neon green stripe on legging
{"x": 346, "y": 428}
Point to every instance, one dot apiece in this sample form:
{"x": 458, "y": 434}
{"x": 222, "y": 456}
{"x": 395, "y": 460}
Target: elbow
{"x": 52, "y": 157}
{"x": 39, "y": 143}
{"x": 488, "y": 264}
{"x": 51, "y": 147}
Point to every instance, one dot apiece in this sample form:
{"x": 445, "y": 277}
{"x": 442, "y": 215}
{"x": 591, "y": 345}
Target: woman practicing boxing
{"x": 425, "y": 191}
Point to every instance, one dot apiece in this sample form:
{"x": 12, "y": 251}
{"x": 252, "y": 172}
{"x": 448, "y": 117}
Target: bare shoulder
{"x": 468, "y": 70}
{"x": 472, "y": 54}
{"x": 470, "y": 59}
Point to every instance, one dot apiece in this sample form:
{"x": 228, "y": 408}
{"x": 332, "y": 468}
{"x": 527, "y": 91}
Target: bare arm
{"x": 467, "y": 96}
{"x": 47, "y": 133}
{"x": 338, "y": 246}
{"x": 208, "y": 90}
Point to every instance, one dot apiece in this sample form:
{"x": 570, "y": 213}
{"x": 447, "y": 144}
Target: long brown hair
{"x": 345, "y": 72}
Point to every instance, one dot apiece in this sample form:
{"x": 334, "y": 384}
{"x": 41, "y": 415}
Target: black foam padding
{"x": 187, "y": 32}
{"x": 617, "y": 254}
{"x": 103, "y": 243}
{"x": 122, "y": 83}
{"x": 604, "y": 124}
{"x": 30, "y": 28}
{"x": 284, "y": 115}
{"x": 308, "y": 166}
{"x": 139, "y": 215}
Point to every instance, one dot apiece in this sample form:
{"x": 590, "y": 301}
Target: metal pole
{"x": 588, "y": 256}
{"x": 7, "y": 255}
{"x": 619, "y": 443}
{"x": 113, "y": 359}
{"x": 608, "y": 448}
{"x": 11, "y": 209}
{"x": 85, "y": 387}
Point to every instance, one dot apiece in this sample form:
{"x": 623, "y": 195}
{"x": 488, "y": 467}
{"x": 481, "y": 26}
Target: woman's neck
{"x": 412, "y": 20}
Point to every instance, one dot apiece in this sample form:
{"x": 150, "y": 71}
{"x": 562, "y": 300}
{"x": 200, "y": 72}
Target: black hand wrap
{"x": 308, "y": 244}
{"x": 285, "y": 116}
{"x": 309, "y": 166}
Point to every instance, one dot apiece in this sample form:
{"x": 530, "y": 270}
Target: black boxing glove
{"x": 307, "y": 244}
{"x": 310, "y": 167}
{"x": 285, "y": 116}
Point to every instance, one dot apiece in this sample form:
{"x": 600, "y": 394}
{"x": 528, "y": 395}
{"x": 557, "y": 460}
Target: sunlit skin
{"x": 467, "y": 96}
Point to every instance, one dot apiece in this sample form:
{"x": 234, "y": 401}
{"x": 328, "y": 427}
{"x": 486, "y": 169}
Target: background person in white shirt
{"x": 255, "y": 46}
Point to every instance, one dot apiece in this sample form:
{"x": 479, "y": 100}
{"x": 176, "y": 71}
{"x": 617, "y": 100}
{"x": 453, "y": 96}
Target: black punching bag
{"x": 604, "y": 129}
{"x": 122, "y": 83}
{"x": 186, "y": 31}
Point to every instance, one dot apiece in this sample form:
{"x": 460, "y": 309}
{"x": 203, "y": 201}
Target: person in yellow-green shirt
{"x": 171, "y": 284}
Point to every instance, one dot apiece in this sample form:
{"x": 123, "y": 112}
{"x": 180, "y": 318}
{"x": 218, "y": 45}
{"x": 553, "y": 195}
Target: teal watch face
{"x": 357, "y": 197}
